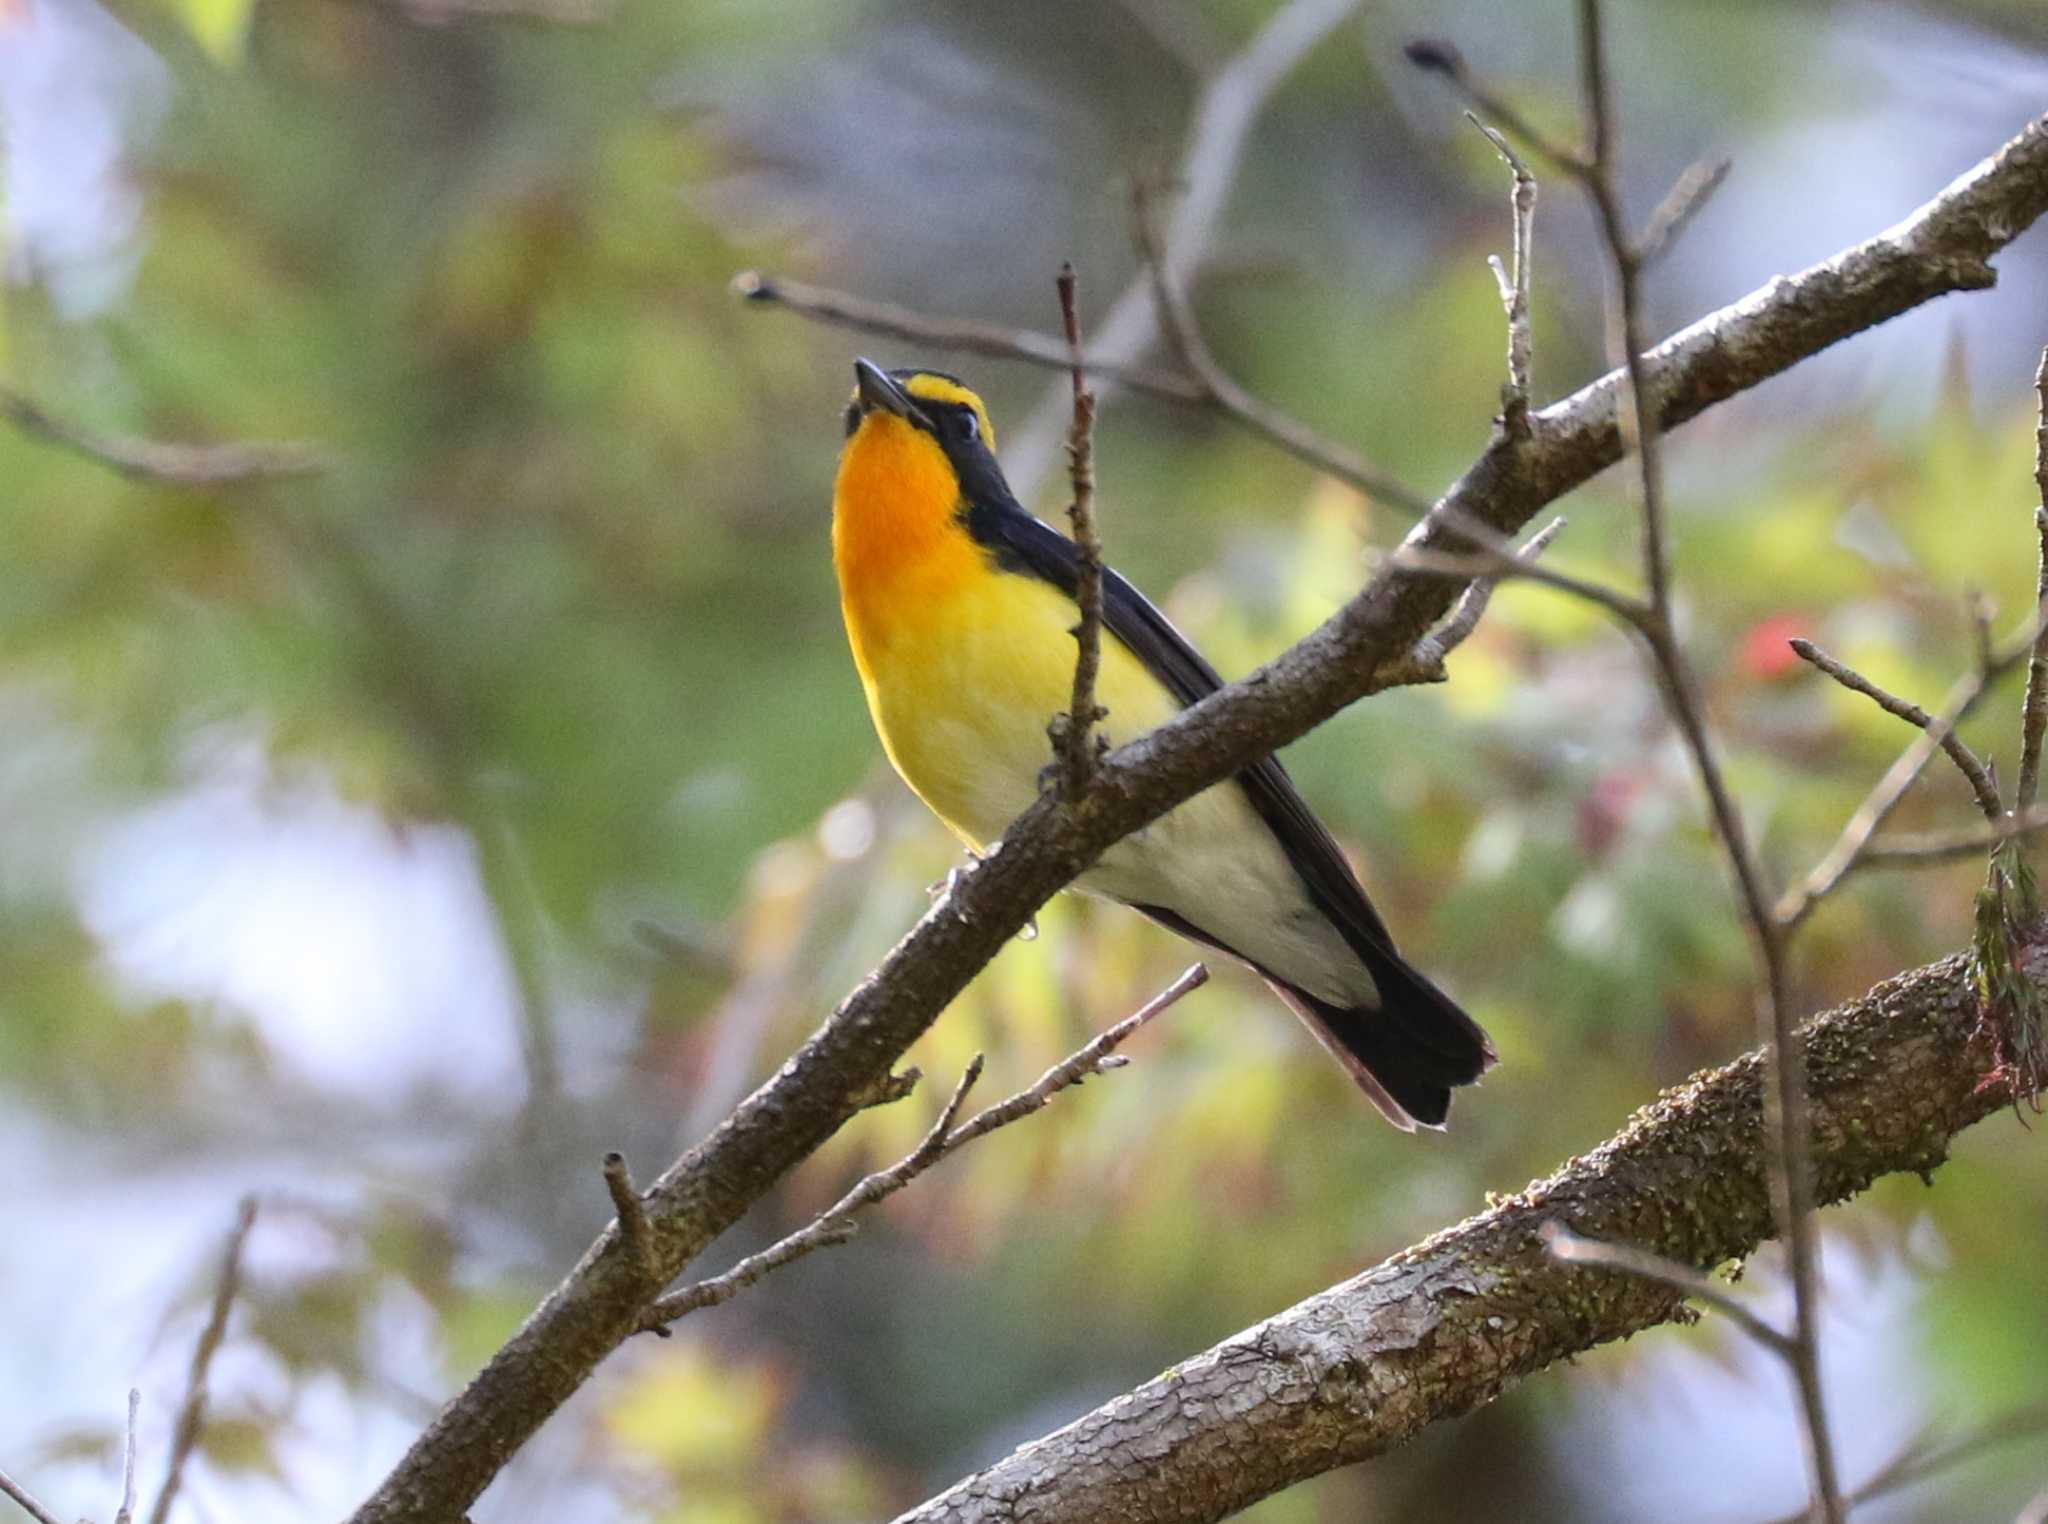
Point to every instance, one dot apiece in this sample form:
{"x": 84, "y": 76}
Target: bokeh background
{"x": 391, "y": 842}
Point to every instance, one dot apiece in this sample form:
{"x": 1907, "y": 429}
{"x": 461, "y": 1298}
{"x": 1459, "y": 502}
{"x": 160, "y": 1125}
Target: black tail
{"x": 1407, "y": 1053}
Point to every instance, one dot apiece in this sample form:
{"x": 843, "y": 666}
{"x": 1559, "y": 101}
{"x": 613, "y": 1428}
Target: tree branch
{"x": 171, "y": 465}
{"x": 1433, "y": 650}
{"x": 125, "y": 1514}
{"x": 1920, "y": 848}
{"x": 1513, "y": 281}
{"x": 2034, "y": 712}
{"x": 1219, "y": 390}
{"x": 1841, "y": 859}
{"x": 192, "y": 1412}
{"x": 864, "y": 315}
{"x": 1942, "y": 247}
{"x": 837, "y": 1223}
{"x": 26, "y": 1500}
{"x": 1967, "y": 762}
{"x": 1448, "y": 1325}
{"x": 1230, "y": 103}
{"x": 1074, "y": 741}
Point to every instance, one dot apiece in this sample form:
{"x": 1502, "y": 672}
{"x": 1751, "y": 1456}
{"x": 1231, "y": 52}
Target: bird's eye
{"x": 970, "y": 425}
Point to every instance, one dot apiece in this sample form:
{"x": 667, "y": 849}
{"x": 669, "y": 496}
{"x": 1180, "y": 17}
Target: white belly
{"x": 1214, "y": 863}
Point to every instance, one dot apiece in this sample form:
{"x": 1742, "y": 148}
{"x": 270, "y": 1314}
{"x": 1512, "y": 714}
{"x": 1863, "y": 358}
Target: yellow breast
{"x": 964, "y": 664}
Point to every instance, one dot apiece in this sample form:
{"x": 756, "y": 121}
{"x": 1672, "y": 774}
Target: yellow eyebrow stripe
{"x": 929, "y": 388}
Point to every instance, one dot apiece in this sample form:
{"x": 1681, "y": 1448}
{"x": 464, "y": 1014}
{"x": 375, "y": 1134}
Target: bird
{"x": 961, "y": 609}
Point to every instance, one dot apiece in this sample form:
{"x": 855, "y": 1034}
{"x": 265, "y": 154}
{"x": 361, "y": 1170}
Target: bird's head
{"x": 919, "y": 449}
{"x": 928, "y": 401}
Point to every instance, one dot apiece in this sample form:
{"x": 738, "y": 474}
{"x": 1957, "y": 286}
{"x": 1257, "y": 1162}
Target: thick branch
{"x": 1450, "y": 1324}
{"x": 1941, "y": 248}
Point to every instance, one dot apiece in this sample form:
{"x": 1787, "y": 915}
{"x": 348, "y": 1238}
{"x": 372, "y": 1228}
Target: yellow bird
{"x": 960, "y": 608}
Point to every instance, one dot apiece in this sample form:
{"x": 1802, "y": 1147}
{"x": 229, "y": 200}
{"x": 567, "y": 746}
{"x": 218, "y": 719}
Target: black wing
{"x": 1022, "y": 543}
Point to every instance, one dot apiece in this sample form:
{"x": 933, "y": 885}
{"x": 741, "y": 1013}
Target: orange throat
{"x": 896, "y": 541}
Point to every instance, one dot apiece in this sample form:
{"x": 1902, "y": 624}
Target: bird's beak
{"x": 877, "y": 389}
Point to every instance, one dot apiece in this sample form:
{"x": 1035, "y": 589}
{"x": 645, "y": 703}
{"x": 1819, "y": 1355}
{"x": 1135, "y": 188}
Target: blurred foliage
{"x": 566, "y": 605}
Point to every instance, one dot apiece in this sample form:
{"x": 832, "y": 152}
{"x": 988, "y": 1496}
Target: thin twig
{"x": 1221, "y": 391}
{"x": 2034, "y": 713}
{"x": 1075, "y": 740}
{"x": 26, "y": 1500}
{"x": 1514, "y": 288}
{"x": 833, "y": 1226}
{"x": 630, "y": 1209}
{"x": 1798, "y": 902}
{"x": 1982, "y": 611}
{"x": 1218, "y": 128}
{"x": 1787, "y": 1129}
{"x": 1967, "y": 762}
{"x": 837, "y": 1223}
{"x": 1636, "y": 416}
{"x": 192, "y": 1412}
{"x": 1437, "y": 56}
{"x": 171, "y": 465}
{"x": 843, "y": 310}
{"x": 1502, "y": 566}
{"x": 1680, "y": 205}
{"x": 1925, "y": 847}
{"x": 1428, "y": 657}
{"x": 1575, "y": 1249}
{"x": 126, "y": 1512}
{"x": 1927, "y": 1454}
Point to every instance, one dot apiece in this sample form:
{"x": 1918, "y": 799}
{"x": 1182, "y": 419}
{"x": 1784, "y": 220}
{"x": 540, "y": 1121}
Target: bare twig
{"x": 1221, "y": 391}
{"x": 26, "y": 1500}
{"x": 1841, "y": 859}
{"x": 1514, "y": 287}
{"x": 1091, "y": 1059}
{"x": 172, "y": 465}
{"x": 833, "y": 1226}
{"x": 1927, "y": 1455}
{"x": 1229, "y": 104}
{"x": 1075, "y": 740}
{"x": 2034, "y": 713}
{"x": 1430, "y": 652}
{"x": 1680, "y": 205}
{"x": 1575, "y": 1249}
{"x": 843, "y": 310}
{"x": 1920, "y": 848}
{"x": 565, "y": 13}
{"x": 837, "y": 1223}
{"x": 1637, "y": 414}
{"x": 629, "y": 1208}
{"x": 192, "y": 1412}
{"x": 1437, "y": 56}
{"x": 126, "y": 1512}
{"x": 1967, "y": 762}
{"x": 1502, "y": 566}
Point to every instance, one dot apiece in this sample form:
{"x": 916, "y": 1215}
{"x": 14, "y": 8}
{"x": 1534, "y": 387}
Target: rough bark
{"x": 1942, "y": 247}
{"x": 1449, "y": 1324}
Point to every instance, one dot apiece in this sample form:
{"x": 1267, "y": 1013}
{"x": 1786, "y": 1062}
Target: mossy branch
{"x": 1453, "y": 1322}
